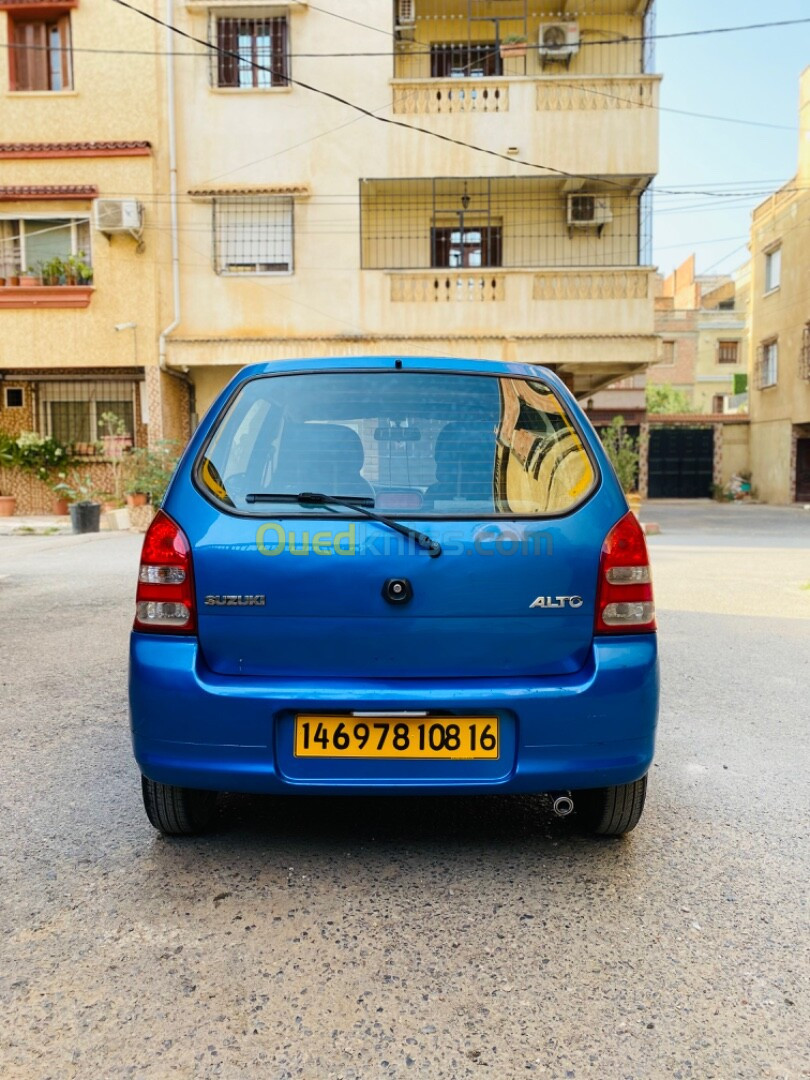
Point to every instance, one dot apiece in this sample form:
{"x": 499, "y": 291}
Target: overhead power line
{"x": 211, "y": 47}
{"x": 360, "y": 54}
{"x": 579, "y": 87}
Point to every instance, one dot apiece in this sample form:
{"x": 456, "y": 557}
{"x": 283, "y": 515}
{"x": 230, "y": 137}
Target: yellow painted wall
{"x": 103, "y": 105}
{"x": 782, "y": 314}
{"x": 736, "y": 451}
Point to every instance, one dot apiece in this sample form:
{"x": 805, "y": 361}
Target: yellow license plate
{"x": 461, "y": 738}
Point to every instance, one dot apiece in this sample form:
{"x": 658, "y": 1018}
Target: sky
{"x": 750, "y": 75}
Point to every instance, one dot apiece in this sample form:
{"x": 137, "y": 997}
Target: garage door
{"x": 681, "y": 463}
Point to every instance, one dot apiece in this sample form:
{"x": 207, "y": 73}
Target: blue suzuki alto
{"x": 394, "y": 576}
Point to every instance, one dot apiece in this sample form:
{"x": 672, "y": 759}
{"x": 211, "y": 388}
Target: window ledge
{"x": 770, "y": 292}
{"x": 41, "y": 93}
{"x": 45, "y": 296}
{"x": 250, "y": 89}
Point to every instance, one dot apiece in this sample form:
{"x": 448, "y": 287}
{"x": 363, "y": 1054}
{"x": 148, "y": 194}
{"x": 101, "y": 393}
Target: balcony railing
{"x": 453, "y": 286}
{"x": 596, "y": 94}
{"x": 448, "y": 286}
{"x": 451, "y": 96}
{"x": 552, "y": 94}
{"x": 592, "y": 284}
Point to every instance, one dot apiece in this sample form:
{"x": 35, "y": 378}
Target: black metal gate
{"x": 680, "y": 463}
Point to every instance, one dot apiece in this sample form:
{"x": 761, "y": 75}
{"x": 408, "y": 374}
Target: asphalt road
{"x": 414, "y": 938}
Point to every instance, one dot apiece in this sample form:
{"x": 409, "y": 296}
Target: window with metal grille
{"x": 728, "y": 352}
{"x": 408, "y": 224}
{"x": 82, "y": 414}
{"x": 804, "y": 353}
{"x": 253, "y": 235}
{"x": 767, "y": 364}
{"x": 41, "y": 57}
{"x": 251, "y": 53}
{"x": 466, "y": 247}
{"x": 28, "y": 244}
{"x": 464, "y": 61}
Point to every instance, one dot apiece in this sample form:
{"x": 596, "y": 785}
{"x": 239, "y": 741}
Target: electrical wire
{"x": 356, "y": 55}
{"x": 372, "y": 115}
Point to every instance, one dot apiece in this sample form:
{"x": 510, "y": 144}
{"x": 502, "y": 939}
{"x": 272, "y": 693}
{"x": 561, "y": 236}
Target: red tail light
{"x": 624, "y": 597}
{"x": 164, "y": 602}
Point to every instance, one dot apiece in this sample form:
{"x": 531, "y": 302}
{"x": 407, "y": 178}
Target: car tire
{"x": 610, "y": 811}
{"x": 178, "y": 811}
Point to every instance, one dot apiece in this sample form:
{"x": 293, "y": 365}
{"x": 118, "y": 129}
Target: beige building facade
{"x": 398, "y": 176}
{"x": 83, "y": 235}
{"x": 780, "y": 332}
{"x": 702, "y": 321}
{"x": 491, "y": 206}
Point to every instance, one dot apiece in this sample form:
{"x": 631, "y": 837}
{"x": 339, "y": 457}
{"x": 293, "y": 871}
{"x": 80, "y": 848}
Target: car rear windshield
{"x": 427, "y": 445}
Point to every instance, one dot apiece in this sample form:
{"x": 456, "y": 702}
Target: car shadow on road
{"x": 466, "y": 825}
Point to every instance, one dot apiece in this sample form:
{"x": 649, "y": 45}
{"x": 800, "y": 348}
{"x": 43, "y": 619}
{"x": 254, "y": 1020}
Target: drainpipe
{"x": 170, "y": 96}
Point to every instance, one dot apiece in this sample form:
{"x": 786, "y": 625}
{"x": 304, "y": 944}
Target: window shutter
{"x": 439, "y": 247}
{"x": 63, "y": 25}
{"x": 227, "y": 64}
{"x": 760, "y": 370}
{"x": 31, "y": 56}
{"x": 493, "y": 245}
{"x": 279, "y": 64}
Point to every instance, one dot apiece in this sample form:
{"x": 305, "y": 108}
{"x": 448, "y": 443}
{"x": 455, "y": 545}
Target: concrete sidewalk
{"x": 40, "y": 524}
{"x": 122, "y": 520}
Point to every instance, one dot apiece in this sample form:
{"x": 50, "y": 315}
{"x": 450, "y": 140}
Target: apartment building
{"x": 701, "y": 319}
{"x": 82, "y": 235}
{"x": 780, "y": 331}
{"x": 493, "y": 204}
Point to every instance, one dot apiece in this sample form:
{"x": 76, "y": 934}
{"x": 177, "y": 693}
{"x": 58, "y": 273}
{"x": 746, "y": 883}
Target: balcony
{"x": 585, "y": 93}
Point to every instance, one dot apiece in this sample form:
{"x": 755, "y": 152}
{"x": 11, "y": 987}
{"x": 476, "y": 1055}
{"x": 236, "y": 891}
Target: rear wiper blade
{"x": 361, "y": 503}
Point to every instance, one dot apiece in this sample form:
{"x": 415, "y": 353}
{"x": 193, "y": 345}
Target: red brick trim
{"x": 20, "y": 192}
{"x": 45, "y": 296}
{"x": 9, "y": 151}
{"x": 25, "y": 7}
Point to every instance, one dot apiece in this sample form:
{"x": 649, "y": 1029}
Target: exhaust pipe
{"x": 563, "y": 805}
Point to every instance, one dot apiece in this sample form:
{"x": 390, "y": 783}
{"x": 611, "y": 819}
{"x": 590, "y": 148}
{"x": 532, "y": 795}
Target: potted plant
{"x": 85, "y": 509}
{"x": 52, "y": 272}
{"x": 115, "y": 439}
{"x": 8, "y": 503}
{"x": 77, "y": 270}
{"x": 151, "y": 470}
{"x": 30, "y": 277}
{"x": 622, "y": 450}
{"x": 514, "y": 45}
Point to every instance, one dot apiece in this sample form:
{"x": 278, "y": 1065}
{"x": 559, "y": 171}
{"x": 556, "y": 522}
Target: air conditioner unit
{"x": 118, "y": 215}
{"x": 406, "y": 12}
{"x": 558, "y": 41}
{"x": 589, "y": 211}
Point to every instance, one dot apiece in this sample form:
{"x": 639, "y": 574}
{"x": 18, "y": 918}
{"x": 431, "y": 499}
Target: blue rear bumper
{"x": 193, "y": 728}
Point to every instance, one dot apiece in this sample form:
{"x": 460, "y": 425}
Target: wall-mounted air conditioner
{"x": 589, "y": 211}
{"x": 406, "y": 13}
{"x": 405, "y": 20}
{"x": 119, "y": 216}
{"x": 558, "y": 41}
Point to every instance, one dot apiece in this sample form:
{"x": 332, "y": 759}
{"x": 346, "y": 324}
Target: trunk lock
{"x": 397, "y": 591}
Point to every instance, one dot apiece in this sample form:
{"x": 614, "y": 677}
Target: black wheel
{"x": 178, "y": 811}
{"x": 610, "y": 811}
